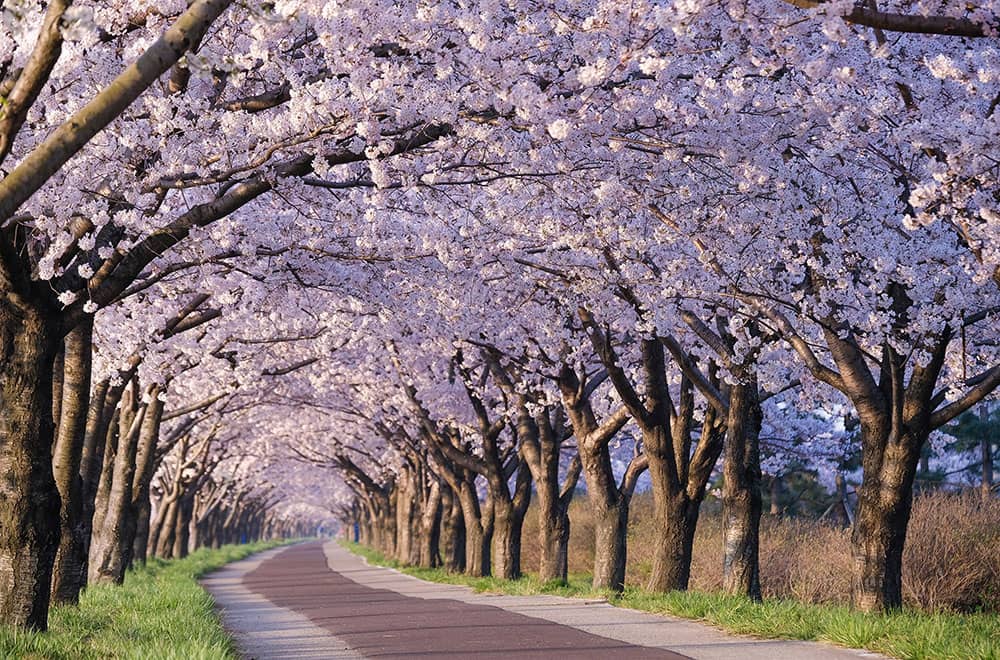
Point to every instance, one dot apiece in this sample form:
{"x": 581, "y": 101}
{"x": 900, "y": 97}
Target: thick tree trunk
{"x": 406, "y": 499}
{"x": 507, "y": 526}
{"x": 68, "y": 573}
{"x": 553, "y": 536}
{"x": 610, "y": 547}
{"x": 883, "y": 513}
{"x": 677, "y": 520}
{"x": 452, "y": 531}
{"x": 478, "y": 532}
{"x": 611, "y": 510}
{"x": 29, "y": 500}
{"x": 741, "y": 498}
{"x": 675, "y": 515}
{"x": 430, "y": 526}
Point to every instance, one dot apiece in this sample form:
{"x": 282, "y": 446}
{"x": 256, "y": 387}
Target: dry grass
{"x": 952, "y": 558}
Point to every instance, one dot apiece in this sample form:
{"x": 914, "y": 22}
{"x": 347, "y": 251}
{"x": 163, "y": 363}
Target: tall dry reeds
{"x": 951, "y": 562}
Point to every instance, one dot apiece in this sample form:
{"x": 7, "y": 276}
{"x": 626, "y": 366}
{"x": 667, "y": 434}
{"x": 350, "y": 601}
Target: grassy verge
{"x": 906, "y": 634}
{"x": 160, "y": 612}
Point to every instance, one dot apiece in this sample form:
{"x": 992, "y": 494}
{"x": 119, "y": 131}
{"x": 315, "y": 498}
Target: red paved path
{"x": 385, "y": 624}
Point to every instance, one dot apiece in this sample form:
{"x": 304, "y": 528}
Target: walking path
{"x": 318, "y": 600}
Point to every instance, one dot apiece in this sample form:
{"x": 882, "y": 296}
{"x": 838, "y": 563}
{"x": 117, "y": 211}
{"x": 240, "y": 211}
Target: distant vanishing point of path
{"x": 317, "y": 600}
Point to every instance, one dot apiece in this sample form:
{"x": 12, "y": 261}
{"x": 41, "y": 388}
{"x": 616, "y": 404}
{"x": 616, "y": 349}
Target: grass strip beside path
{"x": 905, "y": 634}
{"x": 160, "y": 612}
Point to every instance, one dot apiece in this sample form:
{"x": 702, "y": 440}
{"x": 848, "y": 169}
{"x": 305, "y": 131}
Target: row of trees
{"x": 468, "y": 249}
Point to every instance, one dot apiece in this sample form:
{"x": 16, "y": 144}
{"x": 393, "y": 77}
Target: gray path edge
{"x": 261, "y": 629}
{"x": 598, "y": 617}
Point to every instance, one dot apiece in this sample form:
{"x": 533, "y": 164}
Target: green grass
{"x": 160, "y": 612}
{"x": 905, "y": 634}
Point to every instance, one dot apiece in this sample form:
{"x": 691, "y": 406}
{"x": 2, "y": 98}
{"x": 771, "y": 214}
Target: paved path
{"x": 321, "y": 601}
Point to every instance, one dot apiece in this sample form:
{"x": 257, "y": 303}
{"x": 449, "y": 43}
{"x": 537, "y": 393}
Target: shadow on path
{"x": 386, "y": 624}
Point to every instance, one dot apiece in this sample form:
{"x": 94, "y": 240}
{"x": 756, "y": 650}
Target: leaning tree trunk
{"x": 741, "y": 497}
{"x": 110, "y": 552}
{"x": 137, "y": 522}
{"x": 883, "y": 513}
{"x": 68, "y": 574}
{"x": 168, "y": 529}
{"x": 29, "y": 500}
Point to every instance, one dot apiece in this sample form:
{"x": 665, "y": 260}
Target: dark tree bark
{"x": 137, "y": 519}
{"x": 68, "y": 571}
{"x": 452, "y": 531}
{"x": 430, "y": 527}
{"x": 741, "y": 497}
{"x": 896, "y": 417}
{"x": 29, "y": 500}
{"x": 678, "y": 478}
{"x": 610, "y": 501}
{"x": 539, "y": 443}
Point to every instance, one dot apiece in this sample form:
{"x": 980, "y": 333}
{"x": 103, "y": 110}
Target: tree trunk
{"x": 478, "y": 532}
{"x": 986, "y": 451}
{"x": 741, "y": 498}
{"x": 110, "y": 552}
{"x": 168, "y": 530}
{"x": 102, "y": 496}
{"x": 883, "y": 513}
{"x": 777, "y": 492}
{"x": 674, "y": 515}
{"x": 91, "y": 461}
{"x": 182, "y": 534}
{"x": 406, "y": 499}
{"x": 29, "y": 500}
{"x": 611, "y": 509}
{"x": 68, "y": 574}
{"x": 137, "y": 522}
{"x": 452, "y": 531}
{"x": 540, "y": 449}
{"x": 553, "y": 536}
{"x": 610, "y": 546}
{"x": 140, "y": 546}
{"x": 506, "y": 540}
{"x": 430, "y": 526}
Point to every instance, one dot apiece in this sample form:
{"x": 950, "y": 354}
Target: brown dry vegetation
{"x": 951, "y": 561}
